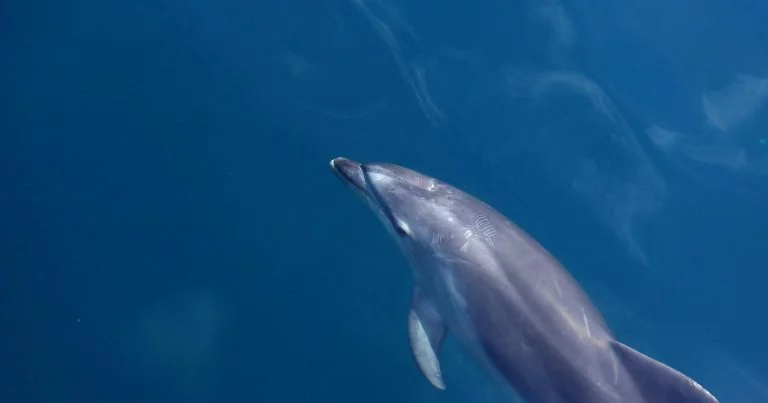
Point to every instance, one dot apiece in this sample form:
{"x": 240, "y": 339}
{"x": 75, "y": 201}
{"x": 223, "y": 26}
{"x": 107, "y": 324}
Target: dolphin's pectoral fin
{"x": 426, "y": 331}
{"x": 658, "y": 382}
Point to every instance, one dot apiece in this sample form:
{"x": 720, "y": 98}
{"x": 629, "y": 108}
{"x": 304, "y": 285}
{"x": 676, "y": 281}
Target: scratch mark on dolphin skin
{"x": 437, "y": 238}
{"x": 615, "y": 369}
{"x": 486, "y": 228}
{"x": 586, "y": 322}
{"x": 482, "y": 229}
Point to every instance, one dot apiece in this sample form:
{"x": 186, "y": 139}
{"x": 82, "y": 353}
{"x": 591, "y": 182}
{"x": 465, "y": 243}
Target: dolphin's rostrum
{"x": 510, "y": 303}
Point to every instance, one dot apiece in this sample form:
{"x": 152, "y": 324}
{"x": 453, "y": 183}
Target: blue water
{"x": 170, "y": 230}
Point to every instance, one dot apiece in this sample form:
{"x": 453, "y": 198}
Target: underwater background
{"x": 170, "y": 230}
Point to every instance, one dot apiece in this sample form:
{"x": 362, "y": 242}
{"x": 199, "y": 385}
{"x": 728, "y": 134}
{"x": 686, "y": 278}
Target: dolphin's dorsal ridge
{"x": 659, "y": 382}
{"x": 426, "y": 331}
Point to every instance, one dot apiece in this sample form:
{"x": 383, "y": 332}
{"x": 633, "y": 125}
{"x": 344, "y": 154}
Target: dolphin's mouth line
{"x": 356, "y": 176}
{"x": 351, "y": 173}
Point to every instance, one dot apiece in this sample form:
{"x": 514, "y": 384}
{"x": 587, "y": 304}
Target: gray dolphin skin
{"x": 508, "y": 302}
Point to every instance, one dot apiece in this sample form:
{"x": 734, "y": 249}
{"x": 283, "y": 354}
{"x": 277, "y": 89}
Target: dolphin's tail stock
{"x": 658, "y": 382}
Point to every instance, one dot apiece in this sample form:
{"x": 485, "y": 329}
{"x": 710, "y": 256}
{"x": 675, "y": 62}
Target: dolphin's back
{"x": 540, "y": 332}
{"x": 533, "y": 323}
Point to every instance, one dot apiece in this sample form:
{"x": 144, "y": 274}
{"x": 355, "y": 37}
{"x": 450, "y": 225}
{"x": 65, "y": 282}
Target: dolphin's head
{"x": 416, "y": 209}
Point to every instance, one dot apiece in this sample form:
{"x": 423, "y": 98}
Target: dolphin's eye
{"x": 401, "y": 228}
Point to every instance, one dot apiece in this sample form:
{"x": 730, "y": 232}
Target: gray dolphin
{"x": 515, "y": 309}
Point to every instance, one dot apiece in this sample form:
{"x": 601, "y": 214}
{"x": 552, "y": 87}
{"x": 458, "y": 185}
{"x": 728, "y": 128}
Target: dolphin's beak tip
{"x": 336, "y": 161}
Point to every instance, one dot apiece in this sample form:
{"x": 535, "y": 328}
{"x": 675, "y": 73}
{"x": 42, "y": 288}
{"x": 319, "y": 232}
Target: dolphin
{"x": 509, "y": 302}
